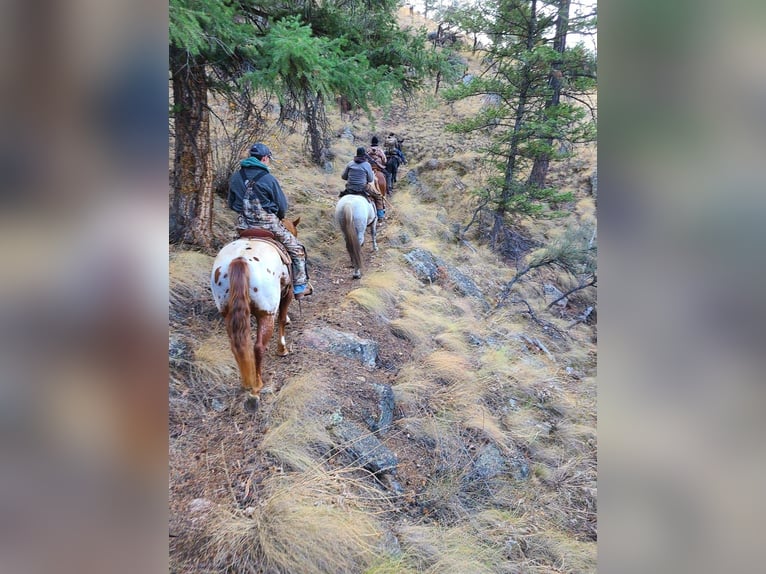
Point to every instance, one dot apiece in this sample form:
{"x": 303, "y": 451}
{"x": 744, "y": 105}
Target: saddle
{"x": 268, "y": 237}
{"x": 363, "y": 194}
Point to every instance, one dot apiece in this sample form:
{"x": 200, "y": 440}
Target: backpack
{"x": 390, "y": 144}
{"x": 234, "y": 195}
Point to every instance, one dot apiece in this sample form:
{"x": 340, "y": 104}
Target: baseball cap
{"x": 261, "y": 150}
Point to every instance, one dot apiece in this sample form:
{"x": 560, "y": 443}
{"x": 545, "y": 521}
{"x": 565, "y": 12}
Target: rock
{"x": 179, "y": 350}
{"x": 464, "y": 284}
{"x": 432, "y": 164}
{"x": 489, "y": 463}
{"x": 365, "y": 448}
{"x": 386, "y": 406}
{"x": 402, "y": 239}
{"x": 423, "y": 264}
{"x": 430, "y": 269}
{"x": 467, "y": 79}
{"x": 344, "y": 344}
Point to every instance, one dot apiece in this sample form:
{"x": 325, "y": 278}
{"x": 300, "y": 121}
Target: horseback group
{"x": 361, "y": 172}
{"x": 260, "y": 273}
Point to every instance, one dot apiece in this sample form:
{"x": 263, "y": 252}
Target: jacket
{"x": 358, "y": 173}
{"x": 378, "y": 155}
{"x": 267, "y": 188}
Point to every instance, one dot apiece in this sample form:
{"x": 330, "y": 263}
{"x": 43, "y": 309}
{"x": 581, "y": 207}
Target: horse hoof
{"x": 357, "y": 275}
{"x": 287, "y": 320}
{"x": 252, "y": 402}
{"x": 282, "y": 352}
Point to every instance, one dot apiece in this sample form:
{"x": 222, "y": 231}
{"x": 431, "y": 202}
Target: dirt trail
{"x": 216, "y": 458}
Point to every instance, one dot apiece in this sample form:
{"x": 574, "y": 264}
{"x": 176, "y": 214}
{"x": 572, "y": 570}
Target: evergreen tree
{"x": 209, "y": 49}
{"x": 523, "y": 115}
{"x": 301, "y": 52}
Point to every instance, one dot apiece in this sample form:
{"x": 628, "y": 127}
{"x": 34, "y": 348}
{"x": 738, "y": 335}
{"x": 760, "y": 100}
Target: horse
{"x": 251, "y": 277}
{"x": 392, "y": 165}
{"x": 380, "y": 180}
{"x": 354, "y": 214}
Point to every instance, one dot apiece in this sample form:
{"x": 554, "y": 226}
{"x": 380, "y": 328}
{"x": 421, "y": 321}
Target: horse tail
{"x": 349, "y": 233}
{"x": 238, "y": 320}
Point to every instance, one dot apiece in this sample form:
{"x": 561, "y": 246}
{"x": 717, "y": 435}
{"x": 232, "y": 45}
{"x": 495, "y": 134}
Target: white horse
{"x": 354, "y": 214}
{"x": 248, "y": 278}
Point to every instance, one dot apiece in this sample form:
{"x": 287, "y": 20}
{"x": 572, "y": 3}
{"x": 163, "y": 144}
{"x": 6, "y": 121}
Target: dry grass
{"x": 298, "y": 435}
{"x": 468, "y": 380}
{"x": 189, "y": 278}
{"x": 303, "y": 523}
{"x": 434, "y": 550}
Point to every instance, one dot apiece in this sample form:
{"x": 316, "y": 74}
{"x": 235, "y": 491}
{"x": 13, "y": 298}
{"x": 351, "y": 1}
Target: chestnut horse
{"x": 250, "y": 277}
{"x": 354, "y": 214}
{"x": 380, "y": 179}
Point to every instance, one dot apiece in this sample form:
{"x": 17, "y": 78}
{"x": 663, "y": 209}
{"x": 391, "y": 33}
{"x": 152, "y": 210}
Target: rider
{"x": 379, "y": 157}
{"x": 265, "y": 207}
{"x": 359, "y": 180}
{"x": 393, "y": 146}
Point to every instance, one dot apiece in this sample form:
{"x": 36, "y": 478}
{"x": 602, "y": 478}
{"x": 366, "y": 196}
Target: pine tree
{"x": 304, "y": 53}
{"x": 524, "y": 117}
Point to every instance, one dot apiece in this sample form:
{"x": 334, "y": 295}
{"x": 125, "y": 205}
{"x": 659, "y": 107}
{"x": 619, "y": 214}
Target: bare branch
{"x": 568, "y": 293}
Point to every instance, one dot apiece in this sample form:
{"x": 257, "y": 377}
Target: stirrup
{"x": 301, "y": 291}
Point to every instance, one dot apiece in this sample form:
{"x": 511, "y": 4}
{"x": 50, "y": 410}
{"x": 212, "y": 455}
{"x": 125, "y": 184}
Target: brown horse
{"x": 380, "y": 180}
{"x": 250, "y": 277}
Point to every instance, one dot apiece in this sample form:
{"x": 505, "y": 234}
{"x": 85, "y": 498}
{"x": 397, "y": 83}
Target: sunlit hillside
{"x": 484, "y": 398}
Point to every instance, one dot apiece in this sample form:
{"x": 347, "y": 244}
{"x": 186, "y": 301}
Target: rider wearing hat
{"x": 378, "y": 155}
{"x": 359, "y": 180}
{"x": 264, "y": 206}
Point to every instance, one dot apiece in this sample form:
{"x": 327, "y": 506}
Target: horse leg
{"x": 264, "y": 328}
{"x": 358, "y": 270}
{"x": 283, "y": 320}
{"x": 374, "y": 234}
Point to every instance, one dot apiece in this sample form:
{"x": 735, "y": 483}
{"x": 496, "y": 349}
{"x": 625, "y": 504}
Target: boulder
{"x": 365, "y": 448}
{"x": 344, "y": 344}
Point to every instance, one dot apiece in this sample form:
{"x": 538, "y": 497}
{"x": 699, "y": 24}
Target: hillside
{"x": 450, "y": 435}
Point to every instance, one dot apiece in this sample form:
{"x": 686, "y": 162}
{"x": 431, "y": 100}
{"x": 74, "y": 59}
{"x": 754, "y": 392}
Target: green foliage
{"x": 536, "y": 96}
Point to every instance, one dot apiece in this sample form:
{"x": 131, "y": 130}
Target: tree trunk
{"x": 314, "y": 113}
{"x": 191, "y": 209}
{"x": 539, "y": 171}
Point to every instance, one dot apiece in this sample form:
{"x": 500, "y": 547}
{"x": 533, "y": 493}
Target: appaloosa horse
{"x": 354, "y": 214}
{"x": 251, "y": 276}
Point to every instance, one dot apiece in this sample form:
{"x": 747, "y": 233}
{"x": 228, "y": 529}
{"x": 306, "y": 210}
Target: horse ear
{"x": 296, "y": 221}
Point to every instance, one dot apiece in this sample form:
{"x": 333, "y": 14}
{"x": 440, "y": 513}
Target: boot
{"x": 381, "y": 214}
{"x": 301, "y": 286}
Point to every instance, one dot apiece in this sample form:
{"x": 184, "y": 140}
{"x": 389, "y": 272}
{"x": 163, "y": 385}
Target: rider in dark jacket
{"x": 270, "y": 193}
{"x": 265, "y": 207}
